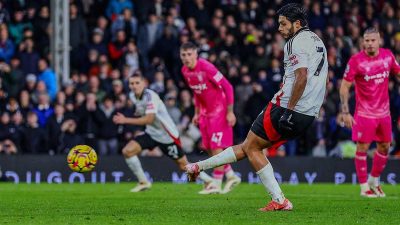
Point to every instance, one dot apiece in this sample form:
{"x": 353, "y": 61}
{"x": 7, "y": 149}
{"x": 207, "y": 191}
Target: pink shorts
{"x": 368, "y": 130}
{"x": 215, "y": 132}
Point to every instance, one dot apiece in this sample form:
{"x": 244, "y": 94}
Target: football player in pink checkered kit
{"x": 213, "y": 95}
{"x": 369, "y": 70}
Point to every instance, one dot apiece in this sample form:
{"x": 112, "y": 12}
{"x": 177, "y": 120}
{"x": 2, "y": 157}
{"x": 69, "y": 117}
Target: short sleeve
{"x": 351, "y": 70}
{"x": 395, "y": 68}
{"x": 213, "y": 73}
{"x": 298, "y": 54}
{"x": 151, "y": 103}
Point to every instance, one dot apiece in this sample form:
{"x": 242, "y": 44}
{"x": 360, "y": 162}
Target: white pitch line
{"x": 334, "y": 196}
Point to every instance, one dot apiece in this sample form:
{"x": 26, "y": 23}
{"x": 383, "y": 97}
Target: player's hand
{"x": 286, "y": 121}
{"x": 195, "y": 119}
{"x": 231, "y": 118}
{"x": 119, "y": 118}
{"x": 347, "y": 120}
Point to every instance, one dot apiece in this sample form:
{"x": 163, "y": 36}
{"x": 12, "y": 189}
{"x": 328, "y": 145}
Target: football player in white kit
{"x": 290, "y": 112}
{"x": 160, "y": 131}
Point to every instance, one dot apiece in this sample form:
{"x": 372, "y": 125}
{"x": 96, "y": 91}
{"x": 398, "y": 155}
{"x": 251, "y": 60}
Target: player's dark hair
{"x": 293, "y": 12}
{"x": 138, "y": 74}
{"x": 371, "y": 30}
{"x": 188, "y": 45}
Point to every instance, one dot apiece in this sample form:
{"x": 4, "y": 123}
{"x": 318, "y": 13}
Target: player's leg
{"x": 222, "y": 136}
{"x": 175, "y": 152}
{"x": 251, "y": 148}
{"x": 183, "y": 161}
{"x": 384, "y": 139}
{"x": 217, "y": 174}
{"x": 131, "y": 152}
{"x": 363, "y": 133}
{"x": 360, "y": 162}
{"x": 206, "y": 138}
{"x": 378, "y": 165}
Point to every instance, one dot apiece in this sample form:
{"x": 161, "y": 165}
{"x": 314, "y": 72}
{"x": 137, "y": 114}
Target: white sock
{"x": 222, "y": 158}
{"x": 218, "y": 183}
{"x": 136, "y": 167}
{"x": 267, "y": 177}
{"x": 230, "y": 174}
{"x": 364, "y": 187}
{"x": 205, "y": 177}
{"x": 374, "y": 181}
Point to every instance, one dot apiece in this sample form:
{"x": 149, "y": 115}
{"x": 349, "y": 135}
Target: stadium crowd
{"x": 111, "y": 39}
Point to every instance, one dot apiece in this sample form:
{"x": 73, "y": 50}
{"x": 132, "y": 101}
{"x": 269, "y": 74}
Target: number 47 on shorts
{"x": 217, "y": 137}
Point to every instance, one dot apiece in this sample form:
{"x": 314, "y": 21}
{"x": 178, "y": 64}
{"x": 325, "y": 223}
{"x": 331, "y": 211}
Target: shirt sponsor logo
{"x": 198, "y": 88}
{"x": 378, "y": 78}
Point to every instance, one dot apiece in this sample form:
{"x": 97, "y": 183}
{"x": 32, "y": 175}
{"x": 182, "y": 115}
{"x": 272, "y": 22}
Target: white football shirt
{"x": 304, "y": 50}
{"x": 163, "y": 128}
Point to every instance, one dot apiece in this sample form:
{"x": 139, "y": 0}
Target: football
{"x": 82, "y": 158}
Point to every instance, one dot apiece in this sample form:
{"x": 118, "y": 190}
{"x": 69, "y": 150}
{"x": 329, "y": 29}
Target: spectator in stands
{"x": 127, "y": 22}
{"x": 9, "y": 136}
{"x": 117, "y": 89}
{"x": 132, "y": 58}
{"x": 94, "y": 87}
{"x": 78, "y": 37}
{"x": 28, "y": 55}
{"x": 158, "y": 85}
{"x": 148, "y": 34}
{"x": 4, "y": 15}
{"x": 117, "y": 48}
{"x": 108, "y": 142}
{"x": 115, "y": 7}
{"x": 7, "y": 46}
{"x": 173, "y": 110}
{"x": 48, "y": 76}
{"x": 89, "y": 120}
{"x": 41, "y": 25}
{"x": 13, "y": 76}
{"x": 98, "y": 42}
{"x": 18, "y": 25}
{"x": 43, "y": 110}
{"x": 34, "y": 137}
{"x": 53, "y": 127}
{"x": 25, "y": 103}
{"x": 68, "y": 137}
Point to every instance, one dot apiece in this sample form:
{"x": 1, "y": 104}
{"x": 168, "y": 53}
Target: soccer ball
{"x": 82, "y": 158}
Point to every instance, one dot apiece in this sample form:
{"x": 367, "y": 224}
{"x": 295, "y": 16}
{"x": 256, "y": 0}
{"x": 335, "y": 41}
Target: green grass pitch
{"x": 168, "y": 203}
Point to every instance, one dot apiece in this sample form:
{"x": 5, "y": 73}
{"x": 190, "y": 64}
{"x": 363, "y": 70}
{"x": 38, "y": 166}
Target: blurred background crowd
{"x": 110, "y": 39}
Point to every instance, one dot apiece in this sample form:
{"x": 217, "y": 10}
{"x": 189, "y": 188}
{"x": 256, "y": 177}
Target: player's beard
{"x": 371, "y": 51}
{"x": 291, "y": 32}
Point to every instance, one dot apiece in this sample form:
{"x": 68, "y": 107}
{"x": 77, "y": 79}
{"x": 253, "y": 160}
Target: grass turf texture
{"x": 168, "y": 203}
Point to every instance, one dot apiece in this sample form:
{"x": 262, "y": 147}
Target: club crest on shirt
{"x": 293, "y": 59}
{"x": 385, "y": 64}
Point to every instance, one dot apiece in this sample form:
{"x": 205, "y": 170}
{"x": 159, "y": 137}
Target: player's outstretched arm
{"x": 120, "y": 118}
{"x": 346, "y": 118}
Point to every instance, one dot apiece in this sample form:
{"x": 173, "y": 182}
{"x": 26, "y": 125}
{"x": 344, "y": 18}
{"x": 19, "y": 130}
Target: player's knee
{"x": 181, "y": 166}
{"x": 383, "y": 148}
{"x": 131, "y": 149}
{"x": 362, "y": 147}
